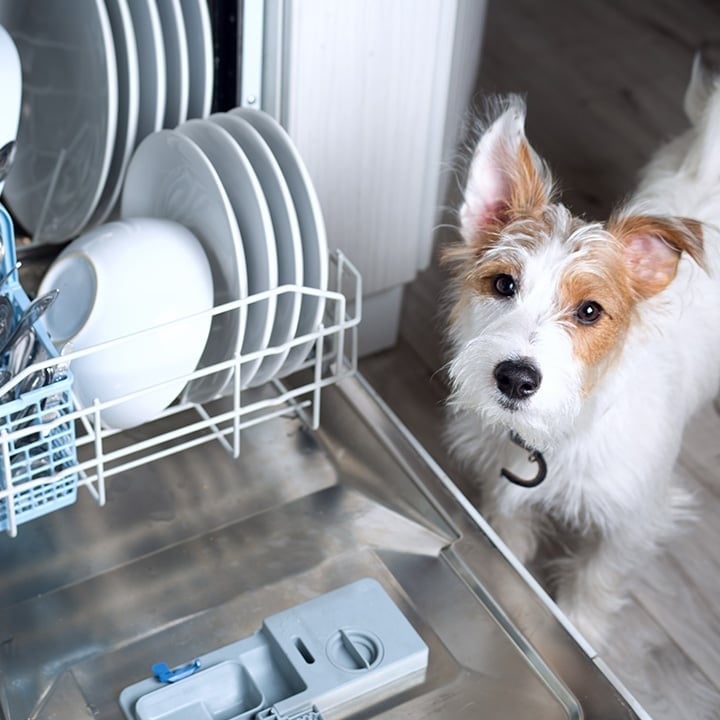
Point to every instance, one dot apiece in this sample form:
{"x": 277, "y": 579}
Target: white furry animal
{"x": 592, "y": 342}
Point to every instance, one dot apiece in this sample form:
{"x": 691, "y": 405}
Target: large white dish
{"x": 70, "y": 101}
{"x": 177, "y": 67}
{"x": 287, "y": 236}
{"x": 253, "y": 218}
{"x": 170, "y": 177}
{"x": 151, "y": 59}
{"x": 106, "y": 294}
{"x": 198, "y": 31}
{"x": 126, "y": 57}
{"x": 312, "y": 227}
{"x": 11, "y": 84}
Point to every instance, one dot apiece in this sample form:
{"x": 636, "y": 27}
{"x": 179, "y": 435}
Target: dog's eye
{"x": 504, "y": 285}
{"x": 589, "y": 312}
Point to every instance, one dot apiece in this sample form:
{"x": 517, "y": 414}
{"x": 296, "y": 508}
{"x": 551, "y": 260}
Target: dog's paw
{"x": 518, "y": 533}
{"x": 594, "y": 626}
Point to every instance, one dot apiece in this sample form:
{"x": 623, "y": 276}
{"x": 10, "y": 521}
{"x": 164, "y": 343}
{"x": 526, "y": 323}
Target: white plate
{"x": 176, "y": 62}
{"x": 312, "y": 227}
{"x": 151, "y": 58}
{"x": 128, "y": 103}
{"x": 70, "y": 101}
{"x": 170, "y": 177}
{"x": 11, "y": 83}
{"x": 198, "y": 31}
{"x": 287, "y": 236}
{"x": 256, "y": 230}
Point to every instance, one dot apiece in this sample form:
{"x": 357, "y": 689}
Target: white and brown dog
{"x": 590, "y": 344}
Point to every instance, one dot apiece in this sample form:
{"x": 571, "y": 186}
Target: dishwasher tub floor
{"x": 192, "y": 552}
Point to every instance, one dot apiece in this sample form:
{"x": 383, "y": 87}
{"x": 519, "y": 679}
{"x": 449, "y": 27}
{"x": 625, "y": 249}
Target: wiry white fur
{"x": 610, "y": 454}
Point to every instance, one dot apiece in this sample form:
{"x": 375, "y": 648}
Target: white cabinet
{"x": 374, "y": 94}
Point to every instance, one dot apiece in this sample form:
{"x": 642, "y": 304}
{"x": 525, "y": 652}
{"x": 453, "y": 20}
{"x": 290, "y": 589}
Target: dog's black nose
{"x": 517, "y": 379}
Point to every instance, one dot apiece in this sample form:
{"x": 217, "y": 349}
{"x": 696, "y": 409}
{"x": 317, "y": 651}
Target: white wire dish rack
{"x": 50, "y": 446}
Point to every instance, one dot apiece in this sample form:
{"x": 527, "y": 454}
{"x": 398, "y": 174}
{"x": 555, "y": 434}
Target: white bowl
{"x": 122, "y": 278}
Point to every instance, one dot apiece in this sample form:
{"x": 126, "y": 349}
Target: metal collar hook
{"x": 535, "y": 457}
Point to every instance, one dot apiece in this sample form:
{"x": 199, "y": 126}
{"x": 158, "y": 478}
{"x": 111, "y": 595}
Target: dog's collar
{"x": 535, "y": 456}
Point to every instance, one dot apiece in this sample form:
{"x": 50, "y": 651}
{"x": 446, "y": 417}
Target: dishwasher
{"x": 282, "y": 552}
{"x": 217, "y": 519}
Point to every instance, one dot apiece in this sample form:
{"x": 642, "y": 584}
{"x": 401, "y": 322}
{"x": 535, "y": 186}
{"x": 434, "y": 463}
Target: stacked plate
{"x": 237, "y": 182}
{"x": 98, "y": 77}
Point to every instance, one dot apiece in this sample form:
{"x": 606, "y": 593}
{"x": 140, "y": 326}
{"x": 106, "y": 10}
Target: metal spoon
{"x": 30, "y": 317}
{"x": 38, "y": 467}
{"x": 7, "y": 317}
{"x": 52, "y": 407}
{"x": 5, "y": 377}
{"x": 7, "y": 275}
{"x": 35, "y": 380}
{"x": 22, "y": 352}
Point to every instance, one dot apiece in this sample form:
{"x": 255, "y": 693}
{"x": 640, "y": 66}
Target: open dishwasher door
{"x": 193, "y": 552}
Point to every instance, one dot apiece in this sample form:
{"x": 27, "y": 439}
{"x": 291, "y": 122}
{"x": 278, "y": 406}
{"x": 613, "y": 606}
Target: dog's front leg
{"x": 592, "y": 587}
{"x": 518, "y": 530}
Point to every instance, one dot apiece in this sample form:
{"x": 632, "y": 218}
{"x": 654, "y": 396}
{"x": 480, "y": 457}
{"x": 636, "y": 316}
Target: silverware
{"x": 8, "y": 274}
{"x": 52, "y": 407}
{"x": 30, "y": 317}
{"x": 5, "y": 377}
{"x": 22, "y": 352}
{"x": 37, "y": 467}
{"x": 7, "y": 318}
{"x": 20, "y": 420}
{"x": 7, "y": 158}
{"x": 35, "y": 380}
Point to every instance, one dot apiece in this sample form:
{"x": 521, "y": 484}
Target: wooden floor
{"x": 604, "y": 82}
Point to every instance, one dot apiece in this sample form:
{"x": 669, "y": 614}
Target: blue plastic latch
{"x": 165, "y": 675}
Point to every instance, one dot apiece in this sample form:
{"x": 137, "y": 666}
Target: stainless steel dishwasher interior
{"x": 192, "y": 552}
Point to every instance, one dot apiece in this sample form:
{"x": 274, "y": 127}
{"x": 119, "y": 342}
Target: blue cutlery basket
{"x": 31, "y": 456}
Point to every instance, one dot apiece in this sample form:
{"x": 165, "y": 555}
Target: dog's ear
{"x": 652, "y": 247}
{"x": 703, "y": 81}
{"x": 506, "y": 177}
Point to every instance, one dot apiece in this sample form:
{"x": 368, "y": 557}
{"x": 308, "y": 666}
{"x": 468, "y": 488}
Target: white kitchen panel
{"x": 366, "y": 99}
